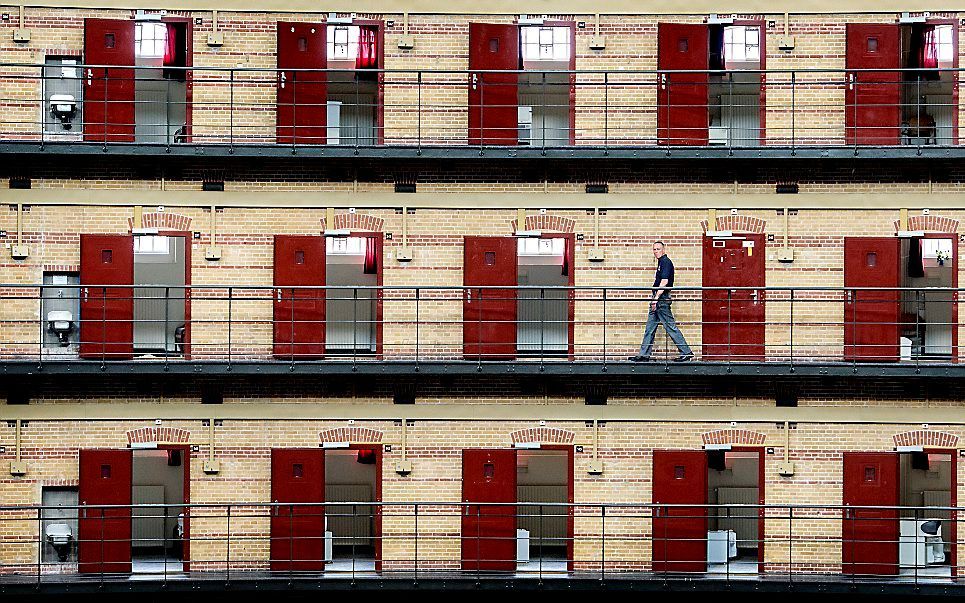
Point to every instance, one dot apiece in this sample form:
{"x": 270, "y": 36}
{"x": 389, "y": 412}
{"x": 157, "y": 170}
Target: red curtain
{"x": 371, "y": 261}
{"x": 928, "y": 51}
{"x": 567, "y": 260}
{"x": 368, "y": 56}
{"x": 170, "y": 44}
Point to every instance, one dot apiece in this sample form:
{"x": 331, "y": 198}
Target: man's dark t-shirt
{"x": 664, "y": 271}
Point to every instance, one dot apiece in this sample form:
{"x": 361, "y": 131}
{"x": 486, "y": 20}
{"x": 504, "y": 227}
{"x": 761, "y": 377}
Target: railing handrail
{"x": 476, "y": 287}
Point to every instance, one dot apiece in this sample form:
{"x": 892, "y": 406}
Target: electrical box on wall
{"x": 406, "y": 42}
{"x": 212, "y": 466}
{"x": 596, "y": 467}
{"x": 403, "y": 467}
{"x": 404, "y": 254}
{"x": 785, "y": 255}
{"x": 19, "y": 252}
{"x": 21, "y": 35}
{"x": 785, "y": 42}
{"x": 597, "y": 43}
{"x": 18, "y": 468}
{"x": 212, "y": 254}
{"x": 596, "y": 255}
{"x": 785, "y": 469}
{"x": 216, "y": 39}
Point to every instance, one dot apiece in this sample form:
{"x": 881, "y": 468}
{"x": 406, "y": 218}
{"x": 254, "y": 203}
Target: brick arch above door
{"x": 356, "y": 221}
{"x": 930, "y": 223}
{"x": 158, "y": 435}
{"x": 352, "y": 435}
{"x": 734, "y": 437}
{"x": 547, "y": 222}
{"x": 163, "y": 221}
{"x": 926, "y": 438}
{"x": 543, "y": 435}
{"x": 746, "y": 224}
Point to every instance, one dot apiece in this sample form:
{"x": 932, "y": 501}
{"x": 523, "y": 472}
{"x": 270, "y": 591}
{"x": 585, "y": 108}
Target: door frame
{"x": 570, "y": 496}
{"x": 379, "y": 24}
{"x": 761, "y": 498}
{"x": 188, "y": 240}
{"x": 186, "y": 491}
{"x": 571, "y": 25}
{"x": 954, "y": 237}
{"x": 379, "y": 237}
{"x": 378, "y": 450}
{"x": 188, "y": 73}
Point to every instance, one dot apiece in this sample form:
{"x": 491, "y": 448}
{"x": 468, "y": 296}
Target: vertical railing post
{"x": 227, "y": 563}
{"x": 419, "y": 113}
{"x": 107, "y": 120}
{"x": 164, "y": 336}
{"x": 415, "y": 560}
{"x": 542, "y": 329}
{"x": 355, "y": 327}
{"x": 790, "y": 544}
{"x": 230, "y": 295}
{"x": 604, "y": 328}
{"x": 418, "y": 295}
{"x": 543, "y": 112}
{"x": 40, "y": 337}
{"x": 602, "y": 542}
{"x": 606, "y": 111}
{"x": 231, "y": 111}
{"x": 793, "y": 110}
{"x": 790, "y": 323}
{"x": 40, "y": 543}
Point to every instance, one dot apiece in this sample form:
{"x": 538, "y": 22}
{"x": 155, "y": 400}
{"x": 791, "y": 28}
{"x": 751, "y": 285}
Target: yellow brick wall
{"x": 243, "y": 447}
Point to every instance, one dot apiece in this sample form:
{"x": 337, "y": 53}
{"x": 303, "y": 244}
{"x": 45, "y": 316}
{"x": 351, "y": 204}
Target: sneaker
{"x": 639, "y": 358}
{"x": 684, "y": 358}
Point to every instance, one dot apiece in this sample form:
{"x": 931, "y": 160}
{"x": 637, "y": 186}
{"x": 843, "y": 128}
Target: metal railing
{"x": 428, "y": 107}
{"x": 228, "y": 323}
{"x": 413, "y": 540}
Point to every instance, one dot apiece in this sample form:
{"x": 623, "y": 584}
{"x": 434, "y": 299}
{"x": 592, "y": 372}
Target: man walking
{"x": 660, "y": 311}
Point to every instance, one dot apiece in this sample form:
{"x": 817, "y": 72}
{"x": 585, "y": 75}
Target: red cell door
{"x": 682, "y": 98}
{"x": 733, "y": 319}
{"x": 871, "y": 318}
{"x": 872, "y": 98}
{"x": 488, "y": 531}
{"x": 104, "y": 534}
{"x": 106, "y": 313}
{"x": 109, "y": 91}
{"x": 489, "y": 315}
{"x": 493, "y": 97}
{"x": 299, "y": 314}
{"x": 302, "y": 97}
{"x": 680, "y": 533}
{"x": 870, "y": 536}
{"x": 298, "y": 529}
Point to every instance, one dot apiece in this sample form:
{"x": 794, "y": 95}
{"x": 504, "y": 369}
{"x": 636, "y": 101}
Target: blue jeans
{"x": 663, "y": 315}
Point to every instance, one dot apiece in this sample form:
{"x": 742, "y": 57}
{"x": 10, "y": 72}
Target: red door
{"x": 109, "y": 91}
{"x": 297, "y": 532}
{"x": 872, "y": 98}
{"x": 488, "y": 531}
{"x": 680, "y": 533}
{"x": 682, "y": 98}
{"x": 302, "y": 101}
{"x": 104, "y": 534}
{"x": 733, "y": 319}
{"x": 871, "y": 318}
{"x": 489, "y": 315}
{"x": 299, "y": 315}
{"x": 870, "y": 536}
{"x": 106, "y": 313}
{"x": 493, "y": 97}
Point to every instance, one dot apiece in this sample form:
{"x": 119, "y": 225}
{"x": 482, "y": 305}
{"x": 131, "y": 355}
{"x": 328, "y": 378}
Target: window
{"x": 545, "y": 43}
{"x": 932, "y": 249}
{"x": 152, "y": 244}
{"x": 150, "y": 39}
{"x": 742, "y": 44}
{"x": 534, "y": 246}
{"x": 342, "y": 42}
{"x": 944, "y": 44}
{"x": 345, "y": 245}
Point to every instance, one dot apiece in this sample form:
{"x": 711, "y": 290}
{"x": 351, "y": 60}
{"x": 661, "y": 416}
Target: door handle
{"x": 278, "y": 293}
{"x": 663, "y": 84}
{"x": 90, "y": 77}
{"x": 475, "y": 81}
{"x": 468, "y": 296}
{"x": 850, "y": 81}
{"x": 86, "y": 294}
{"x": 282, "y": 78}
{"x": 849, "y": 296}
